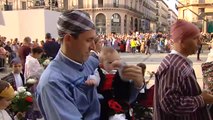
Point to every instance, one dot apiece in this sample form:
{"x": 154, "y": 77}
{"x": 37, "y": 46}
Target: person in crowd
{"x": 207, "y": 68}
{"x": 3, "y": 55}
{"x": 9, "y": 50}
{"x": 69, "y": 70}
{"x": 51, "y": 47}
{"x": 15, "y": 48}
{"x": 148, "y": 44}
{"x": 112, "y": 87}
{"x": 133, "y": 45}
{"x": 6, "y": 95}
{"x": 24, "y": 50}
{"x": 177, "y": 94}
{"x": 33, "y": 69}
{"x": 97, "y": 49}
{"x": 15, "y": 78}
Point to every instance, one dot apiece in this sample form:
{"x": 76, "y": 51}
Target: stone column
{"x": 122, "y": 22}
{"x": 108, "y": 23}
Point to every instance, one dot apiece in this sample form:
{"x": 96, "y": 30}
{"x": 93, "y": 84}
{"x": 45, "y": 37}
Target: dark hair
{"x": 3, "y": 85}
{"x": 48, "y": 36}
{"x": 37, "y": 50}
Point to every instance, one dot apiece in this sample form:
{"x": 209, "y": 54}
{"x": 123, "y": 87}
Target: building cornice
{"x": 163, "y": 3}
{"x": 197, "y": 5}
{"x": 114, "y": 10}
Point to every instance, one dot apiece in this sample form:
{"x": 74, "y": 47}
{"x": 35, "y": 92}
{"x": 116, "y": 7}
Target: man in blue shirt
{"x": 62, "y": 93}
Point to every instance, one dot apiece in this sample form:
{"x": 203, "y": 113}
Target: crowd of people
{"x": 86, "y": 78}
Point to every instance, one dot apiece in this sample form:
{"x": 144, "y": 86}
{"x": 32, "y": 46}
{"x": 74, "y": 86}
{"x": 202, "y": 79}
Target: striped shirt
{"x": 177, "y": 93}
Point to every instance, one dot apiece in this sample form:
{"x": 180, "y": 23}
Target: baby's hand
{"x": 91, "y": 82}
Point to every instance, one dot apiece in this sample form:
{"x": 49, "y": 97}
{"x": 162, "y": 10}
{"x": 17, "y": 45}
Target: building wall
{"x": 32, "y": 23}
{"x": 162, "y": 24}
{"x": 9, "y": 24}
{"x": 186, "y": 12}
{"x": 142, "y": 10}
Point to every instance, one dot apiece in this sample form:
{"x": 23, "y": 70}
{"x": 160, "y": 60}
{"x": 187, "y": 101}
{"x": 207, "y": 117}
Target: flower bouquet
{"x": 46, "y": 62}
{"x": 30, "y": 82}
{"x": 22, "y": 101}
{"x": 207, "y": 69}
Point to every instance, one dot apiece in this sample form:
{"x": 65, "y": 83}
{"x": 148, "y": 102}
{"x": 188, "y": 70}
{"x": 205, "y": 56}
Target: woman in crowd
{"x": 33, "y": 69}
{"x": 6, "y": 95}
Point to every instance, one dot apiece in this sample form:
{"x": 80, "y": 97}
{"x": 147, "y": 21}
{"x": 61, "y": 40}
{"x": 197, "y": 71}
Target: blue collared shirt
{"x": 62, "y": 94}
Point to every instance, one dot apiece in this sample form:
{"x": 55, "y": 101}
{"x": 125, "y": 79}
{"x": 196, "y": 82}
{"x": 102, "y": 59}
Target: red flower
{"x": 29, "y": 99}
{"x": 115, "y": 106}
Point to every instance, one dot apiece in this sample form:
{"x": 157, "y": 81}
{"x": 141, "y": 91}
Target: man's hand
{"x": 134, "y": 73}
{"x": 208, "y": 98}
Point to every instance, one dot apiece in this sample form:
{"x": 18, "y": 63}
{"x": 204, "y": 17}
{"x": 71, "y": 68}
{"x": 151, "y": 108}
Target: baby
{"x": 115, "y": 90}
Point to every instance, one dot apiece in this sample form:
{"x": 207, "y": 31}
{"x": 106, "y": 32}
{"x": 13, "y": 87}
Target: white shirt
{"x": 18, "y": 80}
{"x": 32, "y": 68}
{"x": 4, "y": 115}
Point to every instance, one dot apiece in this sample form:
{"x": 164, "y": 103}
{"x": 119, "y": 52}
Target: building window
{"x": 100, "y": 23}
{"x": 201, "y": 1}
{"x": 100, "y": 3}
{"x": 80, "y": 4}
{"x": 116, "y": 23}
{"x": 125, "y": 24}
{"x": 169, "y": 15}
{"x": 136, "y": 24}
{"x": 23, "y": 5}
{"x": 65, "y": 4}
{"x": 115, "y": 3}
{"x": 201, "y": 12}
{"x": 131, "y": 4}
{"x": 136, "y": 3}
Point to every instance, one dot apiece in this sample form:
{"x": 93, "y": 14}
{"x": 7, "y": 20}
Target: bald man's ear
{"x": 68, "y": 37}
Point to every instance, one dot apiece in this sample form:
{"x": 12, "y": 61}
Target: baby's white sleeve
{"x": 95, "y": 77}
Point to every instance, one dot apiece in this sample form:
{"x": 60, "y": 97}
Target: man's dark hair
{"x": 37, "y": 50}
{"x": 48, "y": 36}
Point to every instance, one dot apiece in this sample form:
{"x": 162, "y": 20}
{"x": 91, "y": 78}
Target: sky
{"x": 171, "y": 4}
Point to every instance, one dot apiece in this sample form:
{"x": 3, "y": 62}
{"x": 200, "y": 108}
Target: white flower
{"x": 31, "y": 81}
{"x": 21, "y": 89}
{"x": 16, "y": 92}
{"x": 28, "y": 93}
{"x": 46, "y": 62}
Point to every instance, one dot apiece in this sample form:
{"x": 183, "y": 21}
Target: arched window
{"x": 100, "y": 22}
{"x": 116, "y": 23}
{"x": 125, "y": 24}
{"x": 131, "y": 23}
{"x": 115, "y": 3}
{"x": 136, "y": 24}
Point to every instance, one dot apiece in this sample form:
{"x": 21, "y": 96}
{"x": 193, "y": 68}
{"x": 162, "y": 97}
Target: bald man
{"x": 177, "y": 93}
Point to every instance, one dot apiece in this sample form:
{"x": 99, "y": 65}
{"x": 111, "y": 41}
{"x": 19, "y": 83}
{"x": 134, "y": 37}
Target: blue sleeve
{"x": 55, "y": 105}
